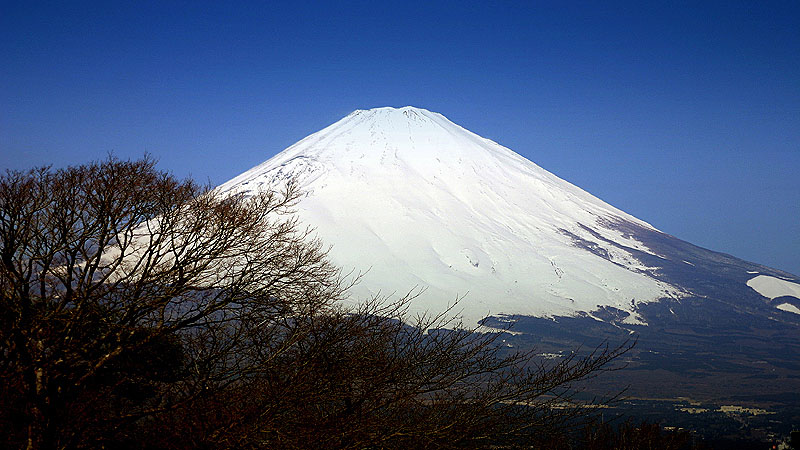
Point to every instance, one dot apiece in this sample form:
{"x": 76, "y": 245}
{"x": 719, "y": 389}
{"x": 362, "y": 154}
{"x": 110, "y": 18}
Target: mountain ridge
{"x": 415, "y": 200}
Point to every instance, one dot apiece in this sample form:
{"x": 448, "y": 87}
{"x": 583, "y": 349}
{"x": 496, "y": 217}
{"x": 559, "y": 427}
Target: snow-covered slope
{"x": 415, "y": 200}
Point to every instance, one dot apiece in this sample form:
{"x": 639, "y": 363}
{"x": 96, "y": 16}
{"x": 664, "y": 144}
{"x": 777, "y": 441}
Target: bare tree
{"x": 141, "y": 311}
{"x": 105, "y": 262}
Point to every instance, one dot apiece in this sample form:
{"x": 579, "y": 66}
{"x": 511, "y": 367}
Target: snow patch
{"x": 772, "y": 287}
{"x": 634, "y": 319}
{"x": 789, "y": 308}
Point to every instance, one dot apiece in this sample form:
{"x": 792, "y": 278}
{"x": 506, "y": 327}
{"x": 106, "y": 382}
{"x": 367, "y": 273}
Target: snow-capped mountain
{"x": 415, "y": 201}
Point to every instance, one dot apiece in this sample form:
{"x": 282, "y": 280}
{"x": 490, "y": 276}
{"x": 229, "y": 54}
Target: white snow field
{"x": 772, "y": 287}
{"x": 789, "y": 308}
{"x": 416, "y": 201}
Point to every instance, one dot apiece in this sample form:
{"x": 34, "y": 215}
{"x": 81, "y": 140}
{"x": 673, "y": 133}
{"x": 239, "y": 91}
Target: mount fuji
{"x": 413, "y": 201}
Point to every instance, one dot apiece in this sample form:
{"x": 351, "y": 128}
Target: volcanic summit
{"x": 411, "y": 199}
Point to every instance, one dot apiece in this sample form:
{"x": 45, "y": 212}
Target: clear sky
{"x": 685, "y": 116}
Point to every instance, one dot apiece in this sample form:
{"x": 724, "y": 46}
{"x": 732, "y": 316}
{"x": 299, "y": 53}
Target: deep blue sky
{"x": 686, "y": 116}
